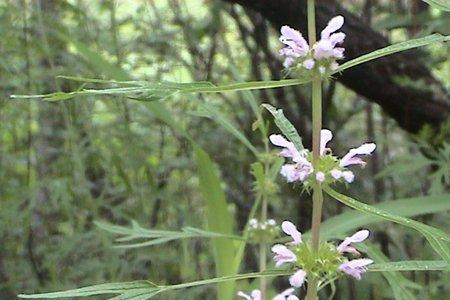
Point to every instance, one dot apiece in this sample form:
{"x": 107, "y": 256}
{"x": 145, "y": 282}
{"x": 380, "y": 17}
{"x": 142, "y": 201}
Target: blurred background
{"x": 66, "y": 164}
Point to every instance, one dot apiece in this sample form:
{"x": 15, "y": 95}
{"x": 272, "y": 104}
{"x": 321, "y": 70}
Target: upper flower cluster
{"x": 328, "y": 169}
{"x": 328, "y": 260}
{"x": 322, "y": 55}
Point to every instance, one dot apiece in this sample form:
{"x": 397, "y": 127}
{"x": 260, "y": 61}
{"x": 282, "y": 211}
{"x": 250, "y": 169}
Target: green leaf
{"x": 409, "y": 207}
{"x": 219, "y": 220}
{"x": 162, "y": 90}
{"x": 398, "y": 283}
{"x": 151, "y": 237}
{"x": 439, "y": 4}
{"x": 437, "y": 238}
{"x": 410, "y": 44}
{"x": 100, "y": 289}
{"x": 285, "y": 126}
{"x": 147, "y": 289}
{"x": 411, "y": 265}
{"x": 227, "y": 124}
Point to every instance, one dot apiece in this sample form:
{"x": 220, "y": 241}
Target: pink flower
{"x": 302, "y": 167}
{"x": 326, "y": 47}
{"x": 356, "y": 267}
{"x": 296, "y": 45}
{"x": 255, "y": 295}
{"x": 289, "y": 150}
{"x": 298, "y": 278}
{"x": 286, "y": 295}
{"x": 290, "y": 229}
{"x": 283, "y": 255}
{"x": 358, "y": 237}
{"x": 351, "y": 158}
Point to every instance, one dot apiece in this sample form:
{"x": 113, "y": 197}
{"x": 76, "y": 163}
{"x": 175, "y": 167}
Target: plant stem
{"x": 317, "y": 126}
{"x": 262, "y": 251}
{"x": 263, "y": 245}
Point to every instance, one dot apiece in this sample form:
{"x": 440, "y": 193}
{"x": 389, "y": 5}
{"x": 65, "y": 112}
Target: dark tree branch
{"x": 383, "y": 81}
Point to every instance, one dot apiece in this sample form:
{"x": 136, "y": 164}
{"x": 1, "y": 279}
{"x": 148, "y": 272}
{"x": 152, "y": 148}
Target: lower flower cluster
{"x": 328, "y": 262}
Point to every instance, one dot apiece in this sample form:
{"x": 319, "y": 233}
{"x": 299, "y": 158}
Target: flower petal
{"x": 356, "y": 267}
{"x": 358, "y": 237}
{"x": 336, "y": 173}
{"x": 309, "y": 64}
{"x": 333, "y": 25}
{"x": 283, "y": 255}
{"x": 350, "y": 159}
{"x": 325, "y": 136}
{"x": 320, "y": 177}
{"x": 348, "y": 176}
{"x": 244, "y": 295}
{"x": 290, "y": 229}
{"x": 256, "y": 295}
{"x": 298, "y": 278}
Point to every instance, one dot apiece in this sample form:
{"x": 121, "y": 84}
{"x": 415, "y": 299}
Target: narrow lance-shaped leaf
{"x": 437, "y": 238}
{"x": 219, "y": 219}
{"x": 415, "y": 43}
{"x": 285, "y": 126}
{"x": 410, "y": 207}
{"x": 411, "y": 265}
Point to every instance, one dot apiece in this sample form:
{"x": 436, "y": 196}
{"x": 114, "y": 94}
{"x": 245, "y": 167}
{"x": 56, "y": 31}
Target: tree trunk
{"x": 401, "y": 84}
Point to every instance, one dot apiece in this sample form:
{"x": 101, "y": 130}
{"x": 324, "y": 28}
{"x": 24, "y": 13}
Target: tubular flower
{"x": 328, "y": 261}
{"x": 355, "y": 267}
{"x": 322, "y": 55}
{"x": 358, "y": 237}
{"x": 284, "y": 255}
{"x": 255, "y": 295}
{"x": 329, "y": 168}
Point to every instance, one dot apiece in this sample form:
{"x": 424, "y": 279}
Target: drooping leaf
{"x": 285, "y": 126}
{"x": 410, "y": 207}
{"x": 437, "y": 238}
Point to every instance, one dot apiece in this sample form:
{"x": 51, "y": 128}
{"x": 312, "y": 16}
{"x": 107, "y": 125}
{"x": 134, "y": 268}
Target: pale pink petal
{"x": 348, "y": 176}
{"x": 283, "y": 255}
{"x": 320, "y": 177}
{"x": 336, "y": 173}
{"x": 350, "y": 159}
{"x": 289, "y": 34}
{"x": 325, "y": 137}
{"x": 333, "y": 25}
{"x": 358, "y": 237}
{"x": 356, "y": 267}
{"x": 309, "y": 64}
{"x": 337, "y": 38}
{"x": 256, "y": 294}
{"x": 323, "y": 49}
{"x": 279, "y": 140}
{"x": 291, "y": 173}
{"x": 290, "y": 229}
{"x": 298, "y": 278}
{"x": 244, "y": 295}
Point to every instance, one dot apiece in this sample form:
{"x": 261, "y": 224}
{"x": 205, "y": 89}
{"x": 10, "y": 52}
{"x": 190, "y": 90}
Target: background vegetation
{"x": 66, "y": 164}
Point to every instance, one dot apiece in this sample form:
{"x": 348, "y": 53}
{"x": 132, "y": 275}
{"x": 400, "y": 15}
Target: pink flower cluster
{"x": 283, "y": 254}
{"x": 297, "y": 49}
{"x": 302, "y": 168}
